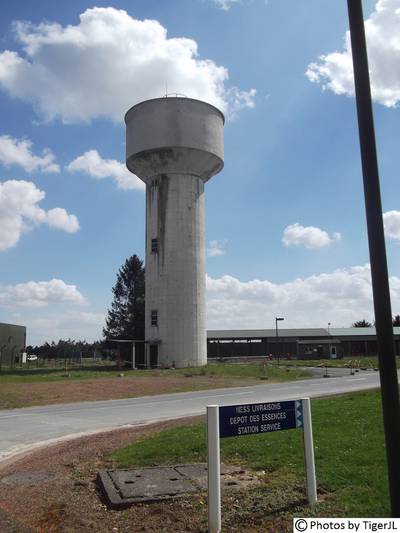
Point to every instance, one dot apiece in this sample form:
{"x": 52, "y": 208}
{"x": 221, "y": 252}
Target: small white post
{"x": 214, "y": 469}
{"x": 309, "y": 452}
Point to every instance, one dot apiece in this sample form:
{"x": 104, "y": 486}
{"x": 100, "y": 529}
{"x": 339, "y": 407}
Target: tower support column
{"x": 175, "y": 269}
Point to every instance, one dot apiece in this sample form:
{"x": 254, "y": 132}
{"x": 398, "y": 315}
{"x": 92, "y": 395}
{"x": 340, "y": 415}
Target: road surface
{"x": 25, "y": 429}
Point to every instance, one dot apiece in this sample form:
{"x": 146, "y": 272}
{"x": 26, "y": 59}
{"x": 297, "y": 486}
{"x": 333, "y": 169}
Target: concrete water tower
{"x": 175, "y": 145}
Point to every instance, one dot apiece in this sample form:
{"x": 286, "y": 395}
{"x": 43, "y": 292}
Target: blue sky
{"x": 285, "y": 221}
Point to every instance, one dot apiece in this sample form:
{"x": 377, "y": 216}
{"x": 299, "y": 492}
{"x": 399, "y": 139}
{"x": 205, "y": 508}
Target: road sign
{"x": 251, "y": 419}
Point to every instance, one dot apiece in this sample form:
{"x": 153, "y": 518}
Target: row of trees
{"x": 364, "y": 324}
{"x": 66, "y": 349}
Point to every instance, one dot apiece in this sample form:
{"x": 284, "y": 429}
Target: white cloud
{"x": 94, "y": 165}
{"x": 39, "y": 294}
{"x": 18, "y": 152}
{"x": 225, "y": 5}
{"x": 19, "y": 211}
{"x": 307, "y": 236}
{"x": 53, "y": 325}
{"x": 340, "y": 297}
{"x": 216, "y": 248}
{"x": 107, "y": 63}
{"x": 58, "y": 218}
{"x": 334, "y": 71}
{"x": 391, "y": 221}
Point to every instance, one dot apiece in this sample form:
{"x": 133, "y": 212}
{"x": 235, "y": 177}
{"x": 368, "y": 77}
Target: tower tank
{"x": 175, "y": 145}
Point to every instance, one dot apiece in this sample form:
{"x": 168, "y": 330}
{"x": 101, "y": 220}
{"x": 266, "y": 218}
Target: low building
{"x": 308, "y": 343}
{"x": 12, "y": 343}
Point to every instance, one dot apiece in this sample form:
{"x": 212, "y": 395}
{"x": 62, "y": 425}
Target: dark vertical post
{"x": 377, "y": 251}
{"x": 119, "y": 356}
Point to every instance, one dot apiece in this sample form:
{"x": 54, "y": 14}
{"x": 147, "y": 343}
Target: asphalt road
{"x": 27, "y": 428}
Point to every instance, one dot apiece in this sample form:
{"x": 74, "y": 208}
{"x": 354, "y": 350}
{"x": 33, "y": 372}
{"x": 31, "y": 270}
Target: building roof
{"x": 258, "y": 333}
{"x": 13, "y": 325}
{"x": 301, "y": 332}
{"x": 358, "y": 332}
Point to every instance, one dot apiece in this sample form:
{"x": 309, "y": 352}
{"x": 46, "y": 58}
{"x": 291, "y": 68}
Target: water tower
{"x": 175, "y": 145}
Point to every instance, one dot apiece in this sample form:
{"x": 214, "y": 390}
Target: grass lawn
{"x": 217, "y": 370}
{"x": 349, "y": 453}
{"x": 355, "y": 362}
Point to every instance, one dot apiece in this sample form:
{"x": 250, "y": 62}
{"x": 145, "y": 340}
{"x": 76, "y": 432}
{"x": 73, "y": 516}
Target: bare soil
{"x": 29, "y": 394}
{"x": 69, "y": 500}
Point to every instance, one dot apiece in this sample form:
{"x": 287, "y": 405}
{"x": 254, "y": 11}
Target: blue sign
{"x": 256, "y": 418}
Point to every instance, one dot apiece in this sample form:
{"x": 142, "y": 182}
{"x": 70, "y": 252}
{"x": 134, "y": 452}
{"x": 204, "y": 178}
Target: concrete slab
{"x": 151, "y": 482}
{"x": 123, "y": 488}
{"x": 230, "y": 475}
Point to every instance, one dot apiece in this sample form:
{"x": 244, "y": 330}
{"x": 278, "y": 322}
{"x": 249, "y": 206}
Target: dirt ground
{"x": 28, "y": 394}
{"x": 54, "y": 490}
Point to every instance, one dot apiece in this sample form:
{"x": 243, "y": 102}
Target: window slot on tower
{"x": 154, "y": 317}
{"x": 154, "y": 245}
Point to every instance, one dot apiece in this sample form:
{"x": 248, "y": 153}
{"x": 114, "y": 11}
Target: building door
{"x": 333, "y": 352}
{"x": 153, "y": 355}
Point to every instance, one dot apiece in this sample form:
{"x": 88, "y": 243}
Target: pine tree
{"x": 125, "y": 318}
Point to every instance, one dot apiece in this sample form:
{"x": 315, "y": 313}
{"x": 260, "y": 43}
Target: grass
{"x": 218, "y": 370}
{"x": 360, "y": 362}
{"x": 349, "y": 454}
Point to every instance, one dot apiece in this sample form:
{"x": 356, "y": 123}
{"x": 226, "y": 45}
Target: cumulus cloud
{"x": 216, "y": 248}
{"x": 94, "y": 165}
{"x": 19, "y": 211}
{"x": 334, "y": 71}
{"x": 307, "y": 236}
{"x": 391, "y": 221}
{"x": 39, "y": 294}
{"x": 340, "y": 297}
{"x": 105, "y": 64}
{"x": 53, "y": 325}
{"x": 18, "y": 152}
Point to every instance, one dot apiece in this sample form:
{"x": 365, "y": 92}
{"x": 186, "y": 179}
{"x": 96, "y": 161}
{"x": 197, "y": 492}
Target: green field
{"x": 355, "y": 362}
{"x": 349, "y": 454}
{"x": 216, "y": 370}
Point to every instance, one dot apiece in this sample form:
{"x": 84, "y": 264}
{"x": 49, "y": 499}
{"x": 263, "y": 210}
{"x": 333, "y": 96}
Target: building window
{"x": 154, "y": 318}
{"x": 154, "y": 245}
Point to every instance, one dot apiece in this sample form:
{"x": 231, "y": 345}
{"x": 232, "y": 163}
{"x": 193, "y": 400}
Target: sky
{"x": 285, "y": 219}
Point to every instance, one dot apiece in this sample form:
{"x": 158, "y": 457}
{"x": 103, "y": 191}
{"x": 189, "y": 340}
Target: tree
{"x": 125, "y": 318}
{"x": 396, "y": 321}
{"x": 361, "y": 324}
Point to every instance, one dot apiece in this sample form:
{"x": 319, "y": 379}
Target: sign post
{"x": 309, "y": 452}
{"x": 253, "y": 419}
{"x": 214, "y": 470}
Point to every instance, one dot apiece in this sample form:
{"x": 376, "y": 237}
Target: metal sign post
{"x": 377, "y": 252}
{"x": 309, "y": 452}
{"x": 253, "y": 419}
{"x": 214, "y": 470}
